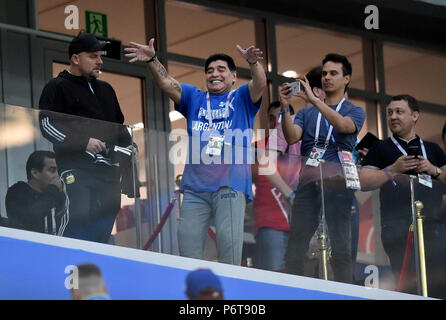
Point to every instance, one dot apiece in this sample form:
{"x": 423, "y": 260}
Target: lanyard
{"x": 330, "y": 129}
{"x": 209, "y": 110}
{"x": 91, "y": 88}
{"x": 423, "y": 149}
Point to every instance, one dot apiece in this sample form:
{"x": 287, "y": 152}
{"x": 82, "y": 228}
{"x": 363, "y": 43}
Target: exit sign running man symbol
{"x": 96, "y": 23}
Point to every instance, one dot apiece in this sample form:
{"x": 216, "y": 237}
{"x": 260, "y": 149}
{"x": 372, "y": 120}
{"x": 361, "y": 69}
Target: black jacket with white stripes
{"x": 32, "y": 210}
{"x": 91, "y": 115}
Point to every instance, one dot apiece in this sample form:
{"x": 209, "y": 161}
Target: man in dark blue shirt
{"x": 330, "y": 126}
{"x": 387, "y": 166}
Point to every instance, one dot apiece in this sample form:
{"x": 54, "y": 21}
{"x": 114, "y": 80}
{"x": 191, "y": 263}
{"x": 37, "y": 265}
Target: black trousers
{"x": 305, "y": 220}
{"x": 94, "y": 205}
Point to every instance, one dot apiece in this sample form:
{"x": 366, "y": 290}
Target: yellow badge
{"x": 70, "y": 179}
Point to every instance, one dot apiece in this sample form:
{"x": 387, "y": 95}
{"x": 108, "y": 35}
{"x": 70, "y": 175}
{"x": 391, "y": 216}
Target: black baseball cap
{"x": 85, "y": 42}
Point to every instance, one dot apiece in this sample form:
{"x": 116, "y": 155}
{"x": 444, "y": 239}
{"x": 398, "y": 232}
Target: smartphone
{"x": 295, "y": 88}
{"x": 414, "y": 151}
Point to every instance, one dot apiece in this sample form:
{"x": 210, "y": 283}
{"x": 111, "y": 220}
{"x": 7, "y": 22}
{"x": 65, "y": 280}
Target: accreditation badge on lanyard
{"x": 216, "y": 140}
{"x": 317, "y": 153}
{"x": 423, "y": 178}
{"x": 215, "y": 143}
{"x": 350, "y": 170}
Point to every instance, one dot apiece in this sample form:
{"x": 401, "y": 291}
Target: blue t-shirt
{"x": 307, "y": 119}
{"x": 204, "y": 173}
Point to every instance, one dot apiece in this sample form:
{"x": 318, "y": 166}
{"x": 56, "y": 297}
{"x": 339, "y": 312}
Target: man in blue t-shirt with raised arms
{"x": 215, "y": 181}
{"x": 328, "y": 131}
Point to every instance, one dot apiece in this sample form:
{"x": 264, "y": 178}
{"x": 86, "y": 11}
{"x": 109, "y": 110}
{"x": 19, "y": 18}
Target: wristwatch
{"x": 438, "y": 171}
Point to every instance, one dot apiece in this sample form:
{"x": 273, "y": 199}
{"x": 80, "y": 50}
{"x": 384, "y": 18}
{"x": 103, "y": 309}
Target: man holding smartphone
{"x": 387, "y": 166}
{"x": 325, "y": 128}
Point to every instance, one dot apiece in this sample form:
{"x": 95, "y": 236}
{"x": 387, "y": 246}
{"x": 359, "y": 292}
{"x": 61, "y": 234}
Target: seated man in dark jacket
{"x": 40, "y": 204}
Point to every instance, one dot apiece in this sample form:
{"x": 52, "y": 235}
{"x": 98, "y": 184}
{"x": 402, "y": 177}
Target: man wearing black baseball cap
{"x": 82, "y": 145}
{"x": 86, "y": 42}
{"x": 85, "y": 54}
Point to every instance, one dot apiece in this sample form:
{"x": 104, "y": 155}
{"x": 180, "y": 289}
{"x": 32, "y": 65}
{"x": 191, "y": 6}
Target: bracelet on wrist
{"x": 390, "y": 177}
{"x": 251, "y": 63}
{"x": 152, "y": 59}
{"x": 285, "y": 111}
{"x": 290, "y": 196}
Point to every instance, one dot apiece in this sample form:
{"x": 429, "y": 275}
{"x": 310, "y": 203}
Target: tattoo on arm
{"x": 161, "y": 70}
{"x": 168, "y": 84}
{"x": 175, "y": 86}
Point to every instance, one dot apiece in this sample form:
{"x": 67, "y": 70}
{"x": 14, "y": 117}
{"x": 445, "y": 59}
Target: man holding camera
{"x": 327, "y": 129}
{"x": 387, "y": 166}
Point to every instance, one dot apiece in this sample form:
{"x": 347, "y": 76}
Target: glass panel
{"x": 315, "y": 188}
{"x": 199, "y": 32}
{"x": 300, "y": 249}
{"x": 375, "y": 237}
{"x": 429, "y": 237}
{"x": 290, "y": 236}
{"x": 87, "y": 197}
{"x": 98, "y": 207}
{"x": 126, "y": 231}
{"x": 300, "y": 49}
{"x": 146, "y": 221}
{"x": 207, "y": 198}
{"x": 416, "y": 72}
{"x": 52, "y": 17}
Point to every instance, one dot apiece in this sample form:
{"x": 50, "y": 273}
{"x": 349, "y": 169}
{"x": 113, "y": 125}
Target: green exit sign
{"x": 96, "y": 23}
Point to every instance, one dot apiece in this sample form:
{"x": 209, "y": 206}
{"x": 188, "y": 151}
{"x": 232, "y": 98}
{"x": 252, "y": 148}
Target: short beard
{"x": 93, "y": 75}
